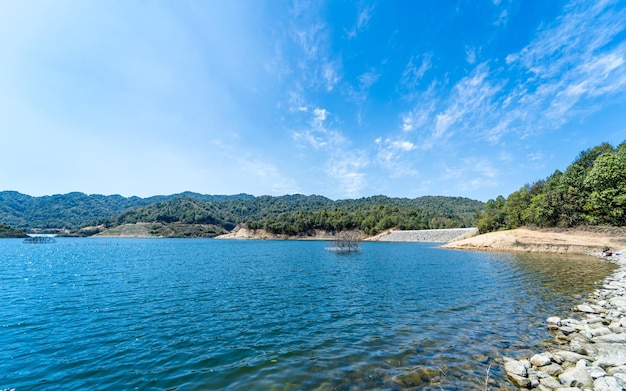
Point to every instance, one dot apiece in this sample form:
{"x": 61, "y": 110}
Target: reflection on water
{"x": 271, "y": 315}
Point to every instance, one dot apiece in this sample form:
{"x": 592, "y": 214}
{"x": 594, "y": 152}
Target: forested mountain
{"x": 591, "y": 191}
{"x": 290, "y": 214}
{"x": 75, "y": 210}
{"x": 300, "y": 215}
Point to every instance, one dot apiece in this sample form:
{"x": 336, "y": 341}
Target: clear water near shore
{"x": 170, "y": 314}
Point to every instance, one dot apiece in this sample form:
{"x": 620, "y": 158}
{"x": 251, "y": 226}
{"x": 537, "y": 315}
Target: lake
{"x": 205, "y": 314}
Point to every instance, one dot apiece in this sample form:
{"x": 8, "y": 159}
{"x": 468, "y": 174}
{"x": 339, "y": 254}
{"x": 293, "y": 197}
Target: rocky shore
{"x": 590, "y": 347}
{"x": 426, "y": 235}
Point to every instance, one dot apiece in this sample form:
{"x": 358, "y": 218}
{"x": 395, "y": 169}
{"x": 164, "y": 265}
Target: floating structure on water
{"x": 40, "y": 239}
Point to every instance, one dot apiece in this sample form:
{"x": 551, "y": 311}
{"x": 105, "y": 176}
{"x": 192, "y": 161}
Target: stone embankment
{"x": 591, "y": 348}
{"x": 427, "y": 235}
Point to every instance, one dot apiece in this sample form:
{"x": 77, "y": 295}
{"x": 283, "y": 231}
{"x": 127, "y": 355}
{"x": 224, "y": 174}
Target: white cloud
{"x": 404, "y": 145}
{"x": 470, "y": 54}
{"x": 367, "y": 79}
{"x": 391, "y": 155}
{"x": 364, "y": 15}
{"x": 319, "y": 116}
{"x": 473, "y": 173}
{"x": 572, "y": 61}
{"x": 330, "y": 75}
{"x": 415, "y": 70}
{"x": 471, "y": 101}
{"x": 346, "y": 168}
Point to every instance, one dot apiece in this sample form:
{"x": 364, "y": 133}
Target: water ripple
{"x": 263, "y": 315}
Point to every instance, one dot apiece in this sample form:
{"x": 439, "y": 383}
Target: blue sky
{"x": 341, "y": 99}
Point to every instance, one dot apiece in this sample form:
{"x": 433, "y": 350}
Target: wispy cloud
{"x": 558, "y": 76}
{"x": 346, "y": 168}
{"x": 415, "y": 69}
{"x": 472, "y": 173}
{"x": 470, "y": 102}
{"x": 364, "y": 15}
{"x": 572, "y": 61}
{"x": 391, "y": 155}
{"x": 343, "y": 165}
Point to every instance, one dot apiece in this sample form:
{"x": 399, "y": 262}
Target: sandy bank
{"x": 586, "y": 240}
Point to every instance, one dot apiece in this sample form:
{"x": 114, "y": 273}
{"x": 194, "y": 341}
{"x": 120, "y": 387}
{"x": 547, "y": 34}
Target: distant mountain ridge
{"x": 75, "y": 210}
{"x": 196, "y": 215}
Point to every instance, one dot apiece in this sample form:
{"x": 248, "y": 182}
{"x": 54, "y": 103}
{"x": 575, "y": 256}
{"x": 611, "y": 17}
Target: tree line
{"x": 301, "y": 215}
{"x": 10, "y": 232}
{"x": 591, "y": 191}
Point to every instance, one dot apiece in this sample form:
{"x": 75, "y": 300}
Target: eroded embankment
{"x": 584, "y": 241}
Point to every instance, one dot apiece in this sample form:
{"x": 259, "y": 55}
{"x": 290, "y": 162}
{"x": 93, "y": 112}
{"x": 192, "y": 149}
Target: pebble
{"x": 592, "y": 353}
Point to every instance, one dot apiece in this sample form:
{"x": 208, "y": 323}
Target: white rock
{"x": 621, "y": 377}
{"x": 568, "y": 356}
{"x": 554, "y": 320}
{"x": 540, "y": 360}
{"x": 611, "y": 338}
{"x": 607, "y": 383}
{"x": 515, "y": 367}
{"x": 585, "y": 308}
{"x": 596, "y": 372}
{"x": 551, "y": 369}
{"x": 520, "y": 381}
{"x": 597, "y": 332}
{"x": 576, "y": 377}
{"x": 550, "y": 382}
{"x": 567, "y": 330}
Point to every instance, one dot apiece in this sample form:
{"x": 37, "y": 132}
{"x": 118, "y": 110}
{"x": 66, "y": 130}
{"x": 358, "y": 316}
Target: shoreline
{"x": 589, "y": 351}
{"x": 583, "y": 241}
{"x": 391, "y": 235}
{"x": 589, "y": 348}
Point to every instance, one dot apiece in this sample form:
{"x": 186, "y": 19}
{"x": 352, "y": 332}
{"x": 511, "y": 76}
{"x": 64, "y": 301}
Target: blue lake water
{"x": 168, "y": 314}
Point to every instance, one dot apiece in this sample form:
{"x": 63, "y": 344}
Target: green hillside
{"x": 591, "y": 191}
{"x": 75, "y": 210}
{"x": 10, "y": 232}
{"x": 300, "y": 215}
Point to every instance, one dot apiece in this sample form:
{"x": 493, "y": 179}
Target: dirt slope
{"x": 586, "y": 240}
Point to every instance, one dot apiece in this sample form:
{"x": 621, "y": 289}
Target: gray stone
{"x": 540, "y": 360}
{"x": 550, "y": 382}
{"x": 568, "y": 356}
{"x": 576, "y": 377}
{"x": 551, "y": 369}
{"x": 596, "y": 372}
{"x": 581, "y": 348}
{"x": 520, "y": 381}
{"x": 570, "y": 322}
{"x": 515, "y": 367}
{"x": 585, "y": 308}
{"x": 567, "y": 330}
{"x": 600, "y": 331}
{"x": 610, "y": 355}
{"x": 611, "y": 338}
{"x": 582, "y": 364}
{"x": 607, "y": 383}
{"x": 554, "y": 320}
{"x": 615, "y": 371}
